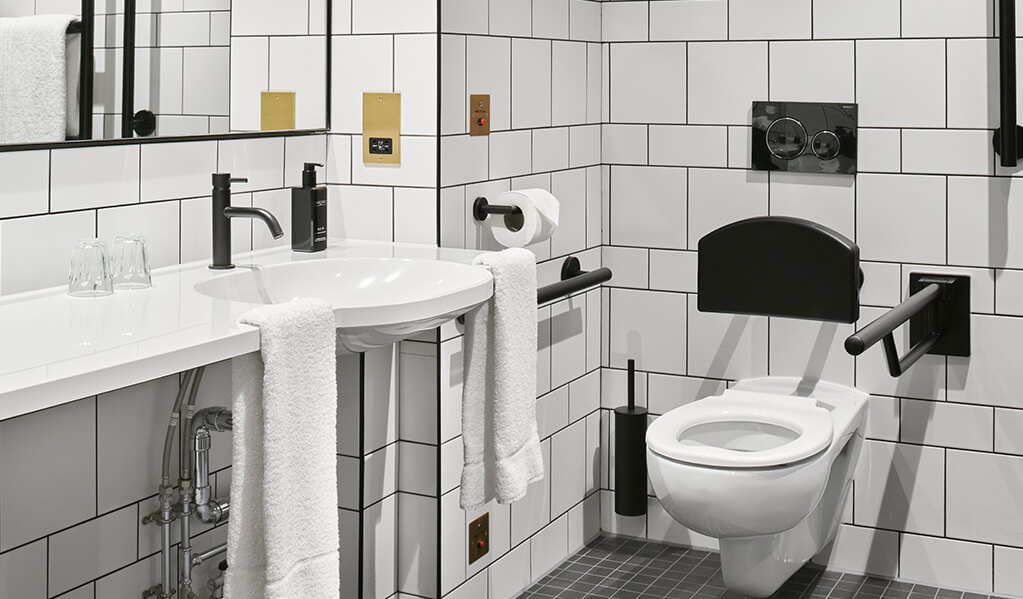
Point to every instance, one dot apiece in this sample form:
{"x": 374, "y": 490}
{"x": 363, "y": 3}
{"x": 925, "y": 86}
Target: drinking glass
{"x": 130, "y": 263}
{"x": 90, "y": 270}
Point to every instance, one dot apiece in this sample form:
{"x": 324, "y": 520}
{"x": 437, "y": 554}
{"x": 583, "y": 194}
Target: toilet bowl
{"x": 765, "y": 468}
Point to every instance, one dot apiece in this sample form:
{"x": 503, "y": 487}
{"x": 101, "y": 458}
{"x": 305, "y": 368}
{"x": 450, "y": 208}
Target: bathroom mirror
{"x": 185, "y": 68}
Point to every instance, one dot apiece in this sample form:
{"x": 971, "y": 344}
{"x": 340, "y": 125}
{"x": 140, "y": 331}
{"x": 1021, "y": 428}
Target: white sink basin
{"x": 377, "y": 301}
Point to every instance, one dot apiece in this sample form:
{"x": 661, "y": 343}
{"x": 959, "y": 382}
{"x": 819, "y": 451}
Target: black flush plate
{"x": 952, "y": 309}
{"x": 805, "y": 137}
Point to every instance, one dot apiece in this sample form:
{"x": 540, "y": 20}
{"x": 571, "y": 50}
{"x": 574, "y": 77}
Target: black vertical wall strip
{"x": 88, "y": 61}
{"x": 1007, "y": 137}
{"x": 440, "y": 337}
{"x": 128, "y": 80}
{"x": 330, "y": 62}
{"x": 362, "y": 472}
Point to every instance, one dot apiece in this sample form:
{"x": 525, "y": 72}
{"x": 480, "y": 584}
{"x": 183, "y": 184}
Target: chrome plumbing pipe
{"x": 202, "y": 558}
{"x": 187, "y": 490}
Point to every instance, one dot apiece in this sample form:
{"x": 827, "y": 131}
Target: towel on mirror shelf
{"x": 283, "y": 531}
{"x": 501, "y": 446}
{"x": 34, "y": 78}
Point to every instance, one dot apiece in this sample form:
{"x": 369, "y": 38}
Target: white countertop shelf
{"x": 58, "y": 349}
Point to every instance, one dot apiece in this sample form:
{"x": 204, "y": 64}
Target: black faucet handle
{"x": 239, "y": 180}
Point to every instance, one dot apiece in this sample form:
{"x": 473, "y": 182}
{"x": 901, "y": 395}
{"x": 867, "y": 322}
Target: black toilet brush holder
{"x": 630, "y": 454}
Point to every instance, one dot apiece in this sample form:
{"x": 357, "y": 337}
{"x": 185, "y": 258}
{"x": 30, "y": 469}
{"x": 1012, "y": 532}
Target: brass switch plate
{"x": 479, "y": 537}
{"x": 381, "y": 128}
{"x": 277, "y": 111}
{"x": 479, "y": 115}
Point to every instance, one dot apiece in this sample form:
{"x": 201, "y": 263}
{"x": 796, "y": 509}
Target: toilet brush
{"x": 630, "y": 454}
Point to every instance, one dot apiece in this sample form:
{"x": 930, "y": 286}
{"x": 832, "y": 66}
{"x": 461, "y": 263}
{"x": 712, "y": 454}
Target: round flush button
{"x": 786, "y": 138}
{"x": 826, "y": 145}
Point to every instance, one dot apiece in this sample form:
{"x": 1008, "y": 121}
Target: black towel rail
{"x": 573, "y": 280}
{"x": 86, "y": 27}
{"x": 1006, "y": 139}
{"x": 938, "y": 311}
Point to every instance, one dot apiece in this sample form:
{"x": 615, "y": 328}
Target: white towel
{"x": 501, "y": 445}
{"x": 282, "y": 537}
{"x": 33, "y": 79}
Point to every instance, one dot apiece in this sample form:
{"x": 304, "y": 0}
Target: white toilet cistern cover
{"x": 743, "y": 429}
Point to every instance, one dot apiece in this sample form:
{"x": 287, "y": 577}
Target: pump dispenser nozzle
{"x": 309, "y": 174}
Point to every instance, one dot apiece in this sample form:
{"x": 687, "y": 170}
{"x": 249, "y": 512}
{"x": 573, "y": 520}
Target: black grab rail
{"x": 1006, "y": 140}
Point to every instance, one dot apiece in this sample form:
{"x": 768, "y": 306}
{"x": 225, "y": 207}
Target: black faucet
{"x": 223, "y": 212}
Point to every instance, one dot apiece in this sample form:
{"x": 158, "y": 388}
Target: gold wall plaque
{"x": 277, "y": 111}
{"x": 381, "y": 128}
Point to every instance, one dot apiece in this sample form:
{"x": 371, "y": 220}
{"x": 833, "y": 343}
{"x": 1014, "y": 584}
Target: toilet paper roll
{"x": 537, "y": 223}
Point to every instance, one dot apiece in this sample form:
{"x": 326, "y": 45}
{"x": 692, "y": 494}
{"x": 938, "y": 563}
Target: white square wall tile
{"x": 531, "y": 83}
{"x": 901, "y": 83}
{"x": 568, "y": 90}
{"x": 48, "y": 240}
{"x": 947, "y": 18}
{"x": 352, "y": 78}
{"x": 867, "y": 550}
{"x": 550, "y": 19}
{"x": 417, "y": 544}
{"x": 819, "y": 71}
{"x": 900, "y": 487}
{"x": 945, "y": 151}
{"x": 901, "y": 218}
{"x": 973, "y": 204}
{"x": 534, "y": 511}
{"x": 511, "y": 17}
{"x": 718, "y": 197}
{"x": 361, "y": 213}
{"x": 454, "y": 100}
{"x": 90, "y": 177}
{"x": 488, "y": 71}
{"x": 510, "y": 574}
{"x": 972, "y": 96}
{"x": 177, "y": 170}
{"x": 26, "y": 178}
{"x": 1008, "y": 570}
{"x": 250, "y": 73}
{"x": 947, "y": 425}
{"x": 568, "y": 463}
{"x": 863, "y": 19}
{"x": 649, "y": 327}
{"x": 415, "y": 78}
{"x": 947, "y": 563}
{"x": 393, "y": 16}
{"x": 724, "y": 346}
{"x": 158, "y": 223}
{"x": 205, "y": 90}
{"x": 415, "y": 215}
{"x": 570, "y": 189}
{"x": 981, "y": 490}
{"x": 811, "y": 350}
{"x": 550, "y": 149}
{"x": 781, "y": 19}
{"x": 685, "y": 145}
{"x": 261, "y": 161}
{"x": 110, "y": 540}
{"x": 685, "y": 20}
{"x": 623, "y": 144}
{"x": 549, "y": 547}
{"x": 624, "y": 21}
{"x": 464, "y": 16}
{"x": 648, "y": 83}
{"x": 308, "y": 83}
{"x": 32, "y": 503}
{"x": 879, "y": 150}
{"x": 725, "y": 78}
{"x": 584, "y": 20}
{"x": 23, "y": 571}
{"x": 639, "y": 192}
{"x": 826, "y": 199}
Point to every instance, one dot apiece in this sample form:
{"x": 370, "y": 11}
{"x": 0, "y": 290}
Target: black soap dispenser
{"x": 309, "y": 213}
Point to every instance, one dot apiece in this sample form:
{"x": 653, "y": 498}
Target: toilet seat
{"x": 742, "y": 429}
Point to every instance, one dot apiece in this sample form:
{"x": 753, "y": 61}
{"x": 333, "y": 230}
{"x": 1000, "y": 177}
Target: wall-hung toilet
{"x": 765, "y": 468}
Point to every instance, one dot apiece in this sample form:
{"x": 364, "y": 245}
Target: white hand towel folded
{"x": 501, "y": 445}
{"x": 33, "y": 79}
{"x": 283, "y": 531}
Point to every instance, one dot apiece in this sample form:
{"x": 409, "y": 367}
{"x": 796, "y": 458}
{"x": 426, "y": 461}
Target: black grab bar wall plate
{"x": 938, "y": 312}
